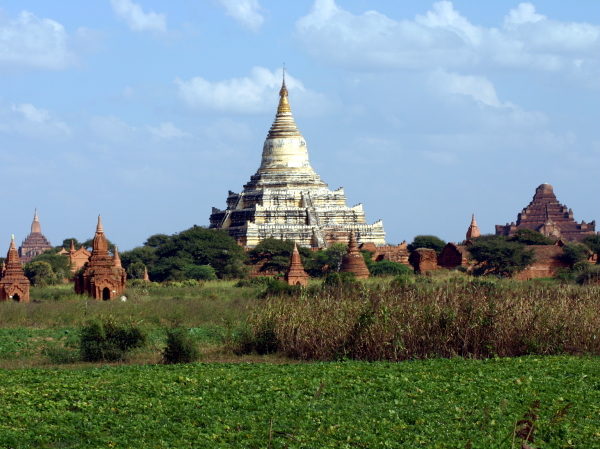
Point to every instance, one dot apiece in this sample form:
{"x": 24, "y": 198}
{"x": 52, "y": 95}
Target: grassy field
{"x": 437, "y": 403}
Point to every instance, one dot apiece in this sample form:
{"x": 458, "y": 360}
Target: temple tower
{"x": 286, "y": 199}
{"x": 35, "y": 243}
{"x": 14, "y": 285}
{"x": 473, "y": 230}
{"x": 547, "y": 216}
{"x": 353, "y": 261}
{"x": 295, "y": 274}
{"x": 101, "y": 278}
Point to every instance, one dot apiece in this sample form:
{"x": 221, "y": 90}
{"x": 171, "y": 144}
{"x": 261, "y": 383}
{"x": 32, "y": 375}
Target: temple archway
{"x": 105, "y": 294}
{"x": 16, "y": 297}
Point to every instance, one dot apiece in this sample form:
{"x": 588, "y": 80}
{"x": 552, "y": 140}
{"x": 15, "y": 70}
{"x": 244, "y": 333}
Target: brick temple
{"x": 102, "y": 277}
{"x": 35, "y": 243}
{"x": 547, "y": 216}
{"x": 14, "y": 285}
{"x": 286, "y": 199}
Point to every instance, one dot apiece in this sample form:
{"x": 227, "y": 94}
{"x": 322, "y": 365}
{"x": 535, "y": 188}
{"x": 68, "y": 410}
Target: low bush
{"x": 104, "y": 339}
{"x": 387, "y": 267}
{"x": 337, "y": 279}
{"x": 61, "y": 355}
{"x": 181, "y": 347}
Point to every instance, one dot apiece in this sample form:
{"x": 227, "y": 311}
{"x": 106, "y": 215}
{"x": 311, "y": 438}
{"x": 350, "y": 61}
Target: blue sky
{"x": 425, "y": 112}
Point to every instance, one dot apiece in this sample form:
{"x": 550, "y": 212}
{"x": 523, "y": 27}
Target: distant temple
{"x": 102, "y": 277}
{"x": 14, "y": 285}
{"x": 35, "y": 243}
{"x": 473, "y": 230}
{"x": 547, "y": 216}
{"x": 286, "y": 199}
{"x": 295, "y": 274}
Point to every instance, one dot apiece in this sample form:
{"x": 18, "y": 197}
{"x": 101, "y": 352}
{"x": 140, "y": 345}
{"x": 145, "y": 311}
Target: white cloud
{"x": 477, "y": 87}
{"x": 443, "y": 38}
{"x": 30, "y": 42}
{"x": 35, "y": 122}
{"x": 167, "y": 130}
{"x": 111, "y": 128}
{"x": 245, "y": 12}
{"x": 136, "y": 19}
{"x": 256, "y": 93}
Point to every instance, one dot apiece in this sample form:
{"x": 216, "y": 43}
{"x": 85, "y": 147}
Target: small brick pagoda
{"x": 35, "y": 243}
{"x": 547, "y": 216}
{"x": 353, "y": 261}
{"x": 295, "y": 274}
{"x": 14, "y": 284}
{"x": 102, "y": 277}
{"x": 287, "y": 200}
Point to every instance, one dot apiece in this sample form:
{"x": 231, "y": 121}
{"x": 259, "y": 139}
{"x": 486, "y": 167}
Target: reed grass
{"x": 458, "y": 317}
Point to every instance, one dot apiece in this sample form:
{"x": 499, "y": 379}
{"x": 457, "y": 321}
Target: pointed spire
{"x": 116, "y": 258}
{"x": 72, "y": 246}
{"x": 473, "y": 230}
{"x": 99, "y": 229}
{"x": 12, "y": 256}
{"x": 295, "y": 273}
{"x": 35, "y": 226}
{"x": 284, "y": 125}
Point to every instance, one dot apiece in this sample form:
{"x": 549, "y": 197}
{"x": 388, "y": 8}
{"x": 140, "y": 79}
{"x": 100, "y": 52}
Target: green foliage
{"x": 593, "y": 243}
{"x": 40, "y": 273}
{"x": 529, "y": 237}
{"x": 276, "y": 254}
{"x": 199, "y": 272}
{"x": 275, "y": 287}
{"x": 196, "y": 246}
{"x": 389, "y": 268}
{"x": 60, "y": 264}
{"x": 337, "y": 279}
{"x": 403, "y": 281}
{"x": 497, "y": 256}
{"x": 136, "y": 270}
{"x": 432, "y": 403}
{"x": 104, "y": 339}
{"x": 574, "y": 253}
{"x": 427, "y": 241}
{"x": 138, "y": 257}
{"x": 66, "y": 244}
{"x": 181, "y": 347}
{"x": 587, "y": 274}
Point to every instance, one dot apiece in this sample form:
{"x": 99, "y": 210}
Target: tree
{"x": 387, "y": 267}
{"x": 39, "y": 273}
{"x": 593, "y": 243}
{"x": 89, "y": 243}
{"x": 60, "y": 263}
{"x": 138, "y": 258}
{"x": 276, "y": 254}
{"x": 199, "y": 272}
{"x": 136, "y": 270}
{"x": 574, "y": 253}
{"x": 427, "y": 241}
{"x": 529, "y": 237}
{"x": 197, "y": 246}
{"x": 496, "y": 255}
{"x": 156, "y": 240}
{"x": 66, "y": 244}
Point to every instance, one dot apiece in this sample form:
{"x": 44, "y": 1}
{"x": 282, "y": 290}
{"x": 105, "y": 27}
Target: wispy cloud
{"x": 136, "y": 19}
{"x": 442, "y": 37}
{"x": 167, "y": 130}
{"x": 245, "y": 12}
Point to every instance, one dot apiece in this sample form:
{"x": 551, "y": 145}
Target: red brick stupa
{"x": 353, "y": 261}
{"x": 101, "y": 278}
{"x": 295, "y": 274}
{"x": 14, "y": 284}
{"x": 35, "y": 243}
{"x": 547, "y": 216}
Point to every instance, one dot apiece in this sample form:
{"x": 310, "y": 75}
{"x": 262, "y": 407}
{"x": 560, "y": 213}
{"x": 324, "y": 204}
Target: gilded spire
{"x": 284, "y": 125}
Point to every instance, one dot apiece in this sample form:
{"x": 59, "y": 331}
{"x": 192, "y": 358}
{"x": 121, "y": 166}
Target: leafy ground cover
{"x": 434, "y": 403}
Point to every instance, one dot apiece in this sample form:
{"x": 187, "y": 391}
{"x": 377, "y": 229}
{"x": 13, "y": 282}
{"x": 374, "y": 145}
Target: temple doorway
{"x": 16, "y": 297}
{"x": 105, "y": 294}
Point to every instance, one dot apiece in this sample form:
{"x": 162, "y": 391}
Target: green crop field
{"x": 436, "y": 403}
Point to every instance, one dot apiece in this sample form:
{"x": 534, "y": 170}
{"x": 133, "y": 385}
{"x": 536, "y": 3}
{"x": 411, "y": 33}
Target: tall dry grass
{"x": 459, "y": 317}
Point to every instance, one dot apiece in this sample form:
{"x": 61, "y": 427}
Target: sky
{"x": 148, "y": 112}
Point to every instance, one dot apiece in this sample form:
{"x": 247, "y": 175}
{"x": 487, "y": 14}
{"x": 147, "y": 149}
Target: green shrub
{"x": 254, "y": 282}
{"x": 587, "y": 274}
{"x": 404, "y": 280}
{"x": 105, "y": 339}
{"x": 181, "y": 347}
{"x": 337, "y": 279}
{"x": 61, "y": 355}
{"x": 387, "y": 267}
{"x": 276, "y": 288}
